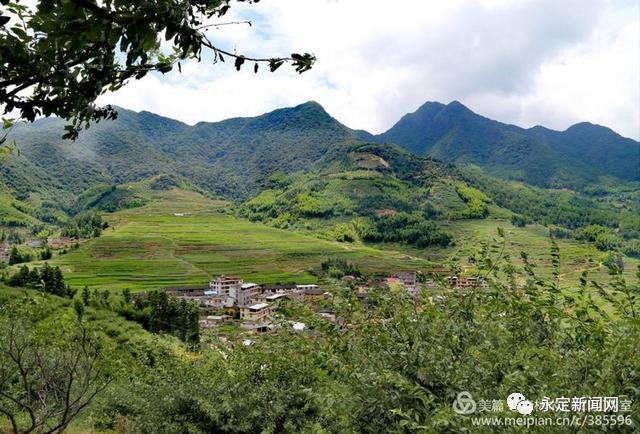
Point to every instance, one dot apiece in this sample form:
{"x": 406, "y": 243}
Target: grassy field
{"x": 575, "y": 256}
{"x": 183, "y": 238}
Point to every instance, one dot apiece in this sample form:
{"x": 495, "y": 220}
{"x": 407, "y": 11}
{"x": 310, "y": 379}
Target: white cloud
{"x": 527, "y": 62}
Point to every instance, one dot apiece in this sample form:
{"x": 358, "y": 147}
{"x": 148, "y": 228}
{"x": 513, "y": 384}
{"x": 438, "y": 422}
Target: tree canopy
{"x": 59, "y": 56}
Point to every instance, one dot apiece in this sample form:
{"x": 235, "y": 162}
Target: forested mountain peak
{"x": 538, "y": 155}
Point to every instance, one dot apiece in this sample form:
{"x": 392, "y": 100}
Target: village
{"x": 252, "y": 307}
{"x": 229, "y": 299}
{"x": 31, "y": 244}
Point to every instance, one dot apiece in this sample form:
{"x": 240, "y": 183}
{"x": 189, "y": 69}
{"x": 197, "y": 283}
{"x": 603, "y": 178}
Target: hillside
{"x": 298, "y": 168}
{"x": 596, "y": 146}
{"x": 181, "y": 237}
{"x": 538, "y": 156}
{"x": 378, "y": 181}
{"x": 235, "y": 158}
{"x": 230, "y": 158}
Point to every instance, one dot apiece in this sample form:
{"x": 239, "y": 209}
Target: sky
{"x": 525, "y": 62}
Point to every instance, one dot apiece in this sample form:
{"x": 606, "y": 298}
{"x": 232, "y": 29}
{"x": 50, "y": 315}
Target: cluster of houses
{"x": 5, "y": 251}
{"x": 251, "y": 303}
{"x": 52, "y": 243}
{"x": 229, "y": 298}
{"x": 408, "y": 280}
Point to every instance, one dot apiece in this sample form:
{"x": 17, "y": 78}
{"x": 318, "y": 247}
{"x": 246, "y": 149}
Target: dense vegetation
{"x": 378, "y": 193}
{"x": 383, "y": 366}
{"x": 107, "y": 198}
{"x": 85, "y": 226}
{"x": 47, "y": 279}
{"x": 160, "y": 313}
{"x": 571, "y": 159}
{"x": 231, "y": 158}
{"x": 337, "y": 268}
{"x": 404, "y": 228}
{"x": 18, "y": 257}
{"x": 564, "y": 208}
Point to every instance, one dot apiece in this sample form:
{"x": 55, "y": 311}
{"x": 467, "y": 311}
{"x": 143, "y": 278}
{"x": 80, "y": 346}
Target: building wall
{"x": 226, "y": 286}
{"x": 261, "y": 315}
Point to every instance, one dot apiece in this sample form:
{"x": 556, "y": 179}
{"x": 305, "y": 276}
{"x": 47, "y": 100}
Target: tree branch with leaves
{"x": 60, "y": 56}
{"x": 44, "y": 386}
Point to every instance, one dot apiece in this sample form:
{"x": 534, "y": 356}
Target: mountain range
{"x": 238, "y": 158}
{"x": 538, "y": 156}
{"x": 227, "y": 158}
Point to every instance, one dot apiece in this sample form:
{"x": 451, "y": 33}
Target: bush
{"x": 519, "y": 221}
{"x": 560, "y": 233}
{"x": 338, "y": 267}
{"x": 344, "y": 233}
{"x": 632, "y": 249}
{"x": 18, "y": 257}
{"x": 46, "y": 254}
{"x": 85, "y": 226}
{"x": 405, "y": 228}
{"x": 607, "y": 242}
{"x": 48, "y": 279}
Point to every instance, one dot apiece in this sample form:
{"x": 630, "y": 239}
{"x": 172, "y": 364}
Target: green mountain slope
{"x": 298, "y": 164}
{"x": 596, "y": 146}
{"x": 537, "y": 156}
{"x": 356, "y": 191}
{"x": 230, "y": 158}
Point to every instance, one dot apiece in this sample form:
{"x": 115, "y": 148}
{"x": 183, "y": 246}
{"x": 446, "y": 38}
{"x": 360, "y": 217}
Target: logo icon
{"x": 525, "y": 407}
{"x": 517, "y": 401}
{"x": 464, "y": 403}
{"x": 514, "y": 399}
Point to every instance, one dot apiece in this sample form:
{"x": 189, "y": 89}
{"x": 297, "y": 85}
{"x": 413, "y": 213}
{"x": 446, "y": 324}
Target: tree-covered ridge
{"x": 573, "y": 159}
{"x": 234, "y": 158}
{"x": 368, "y": 192}
{"x": 229, "y": 158}
{"x": 376, "y": 193}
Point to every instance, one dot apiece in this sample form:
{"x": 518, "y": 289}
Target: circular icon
{"x": 464, "y": 403}
{"x": 514, "y": 399}
{"x": 524, "y": 407}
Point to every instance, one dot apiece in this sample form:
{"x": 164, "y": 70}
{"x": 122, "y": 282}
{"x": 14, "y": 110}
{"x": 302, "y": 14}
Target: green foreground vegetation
{"x": 387, "y": 365}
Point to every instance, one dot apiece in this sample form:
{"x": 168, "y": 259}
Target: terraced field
{"x": 184, "y": 238}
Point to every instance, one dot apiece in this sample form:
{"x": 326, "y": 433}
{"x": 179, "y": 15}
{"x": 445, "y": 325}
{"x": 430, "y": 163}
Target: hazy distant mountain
{"x": 538, "y": 155}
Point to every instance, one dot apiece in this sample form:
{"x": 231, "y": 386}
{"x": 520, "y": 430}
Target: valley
{"x": 271, "y": 197}
{"x": 319, "y": 217}
{"x": 184, "y": 238}
{"x": 289, "y": 257}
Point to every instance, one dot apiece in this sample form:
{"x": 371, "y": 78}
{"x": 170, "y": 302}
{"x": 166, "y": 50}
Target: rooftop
{"x": 276, "y": 296}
